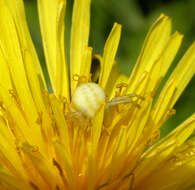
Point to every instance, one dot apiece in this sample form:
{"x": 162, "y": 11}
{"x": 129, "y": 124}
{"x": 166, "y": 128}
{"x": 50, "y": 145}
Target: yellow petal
{"x": 11, "y": 50}
{"x": 60, "y": 122}
{"x": 175, "y": 85}
{"x": 22, "y": 129}
{"x": 139, "y": 123}
{"x": 67, "y": 164}
{"x": 109, "y": 54}
{"x": 34, "y": 82}
{"x": 8, "y": 152}
{"x": 51, "y": 15}
{"x": 177, "y": 170}
{"x": 176, "y": 138}
{"x": 79, "y": 37}
{"x": 93, "y": 145}
{"x": 5, "y": 78}
{"x": 96, "y": 129}
{"x": 111, "y": 84}
{"x": 46, "y": 170}
{"x": 154, "y": 44}
{"x": 184, "y": 72}
{"x": 86, "y": 63}
{"x": 161, "y": 66}
{"x": 164, "y": 148}
{"x": 18, "y": 14}
{"x": 13, "y": 182}
{"x": 39, "y": 96}
{"x": 170, "y": 51}
{"x": 19, "y": 99}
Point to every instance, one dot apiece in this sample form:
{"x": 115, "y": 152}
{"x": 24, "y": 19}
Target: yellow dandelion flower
{"x": 92, "y": 132}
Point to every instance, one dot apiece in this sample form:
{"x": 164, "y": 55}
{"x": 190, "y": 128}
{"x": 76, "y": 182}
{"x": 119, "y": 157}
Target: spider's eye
{"x": 87, "y": 97}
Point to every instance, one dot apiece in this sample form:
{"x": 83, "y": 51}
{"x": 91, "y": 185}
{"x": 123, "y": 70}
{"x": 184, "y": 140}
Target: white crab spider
{"x": 88, "y": 96}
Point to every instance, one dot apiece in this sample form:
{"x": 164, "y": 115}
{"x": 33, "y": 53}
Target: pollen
{"x": 87, "y": 97}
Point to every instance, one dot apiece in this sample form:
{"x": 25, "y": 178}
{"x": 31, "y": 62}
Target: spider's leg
{"x": 120, "y": 100}
{"x": 128, "y": 96}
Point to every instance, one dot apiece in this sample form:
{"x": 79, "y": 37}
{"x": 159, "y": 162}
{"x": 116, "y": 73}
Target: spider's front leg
{"x": 124, "y": 100}
{"x": 112, "y": 106}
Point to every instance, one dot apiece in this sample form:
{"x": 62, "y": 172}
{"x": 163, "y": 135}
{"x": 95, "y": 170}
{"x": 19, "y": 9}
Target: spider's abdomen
{"x": 87, "y": 97}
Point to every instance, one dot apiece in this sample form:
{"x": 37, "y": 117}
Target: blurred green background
{"x": 136, "y": 16}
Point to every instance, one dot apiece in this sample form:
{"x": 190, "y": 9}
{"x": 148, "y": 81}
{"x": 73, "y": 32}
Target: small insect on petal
{"x": 87, "y": 97}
